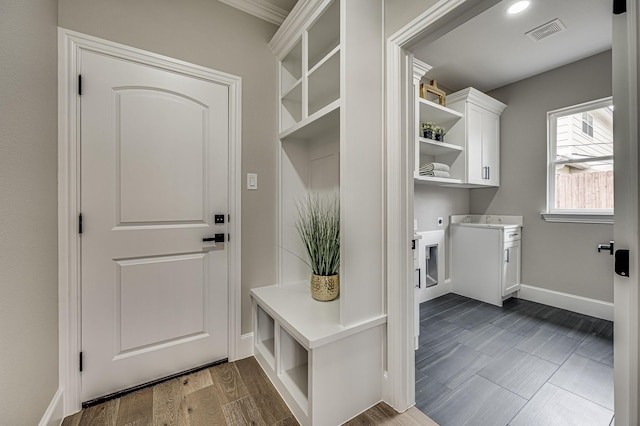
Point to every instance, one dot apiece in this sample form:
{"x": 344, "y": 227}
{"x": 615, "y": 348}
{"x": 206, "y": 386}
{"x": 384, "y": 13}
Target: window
{"x": 587, "y": 124}
{"x": 580, "y": 163}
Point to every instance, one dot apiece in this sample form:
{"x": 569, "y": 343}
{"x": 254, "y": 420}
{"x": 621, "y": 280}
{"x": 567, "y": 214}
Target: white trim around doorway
{"x": 70, "y": 43}
{"x": 400, "y": 375}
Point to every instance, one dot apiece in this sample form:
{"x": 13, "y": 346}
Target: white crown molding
{"x": 477, "y": 97}
{"x": 291, "y": 29}
{"x": 420, "y": 69}
{"x": 259, "y": 8}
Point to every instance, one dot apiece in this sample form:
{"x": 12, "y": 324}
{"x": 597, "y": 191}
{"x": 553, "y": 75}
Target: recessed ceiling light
{"x": 518, "y": 7}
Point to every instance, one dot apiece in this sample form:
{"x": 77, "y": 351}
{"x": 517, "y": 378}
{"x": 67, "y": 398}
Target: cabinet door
{"x": 491, "y": 148}
{"x": 474, "y": 123}
{"x": 511, "y": 267}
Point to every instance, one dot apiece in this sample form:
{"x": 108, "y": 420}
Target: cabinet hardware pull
{"x": 508, "y": 251}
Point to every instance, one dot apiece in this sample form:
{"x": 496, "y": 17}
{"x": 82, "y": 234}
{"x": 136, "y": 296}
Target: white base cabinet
{"x": 485, "y": 261}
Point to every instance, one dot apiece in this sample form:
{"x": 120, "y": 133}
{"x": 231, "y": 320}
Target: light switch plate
{"x": 252, "y": 181}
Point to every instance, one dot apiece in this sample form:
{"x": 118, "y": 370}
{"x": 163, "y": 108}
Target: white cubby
{"x": 291, "y": 68}
{"x": 294, "y": 368}
{"x": 265, "y": 336}
{"x": 324, "y": 82}
{"x": 324, "y": 34}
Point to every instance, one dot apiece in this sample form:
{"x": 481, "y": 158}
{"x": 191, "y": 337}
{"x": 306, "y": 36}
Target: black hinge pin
{"x": 80, "y": 223}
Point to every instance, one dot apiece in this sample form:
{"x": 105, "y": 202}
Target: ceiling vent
{"x": 546, "y": 30}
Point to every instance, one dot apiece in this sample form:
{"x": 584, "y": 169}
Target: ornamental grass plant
{"x": 318, "y": 224}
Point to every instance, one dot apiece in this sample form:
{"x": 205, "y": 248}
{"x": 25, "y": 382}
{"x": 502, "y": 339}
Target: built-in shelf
{"x": 327, "y": 118}
{"x": 430, "y": 147}
{"x": 320, "y": 150}
{"x": 432, "y": 180}
{"x": 431, "y": 112}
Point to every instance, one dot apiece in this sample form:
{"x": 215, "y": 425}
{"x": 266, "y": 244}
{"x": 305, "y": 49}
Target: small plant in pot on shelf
{"x": 318, "y": 224}
{"x": 428, "y": 130}
{"x": 439, "y": 133}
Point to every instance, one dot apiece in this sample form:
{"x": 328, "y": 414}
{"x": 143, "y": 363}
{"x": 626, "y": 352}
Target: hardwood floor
{"x": 522, "y": 364}
{"x": 237, "y": 393}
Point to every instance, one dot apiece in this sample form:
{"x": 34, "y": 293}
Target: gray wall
{"x": 431, "y": 202}
{"x": 212, "y": 34}
{"x": 398, "y": 13}
{"x": 28, "y": 210}
{"x": 556, "y": 256}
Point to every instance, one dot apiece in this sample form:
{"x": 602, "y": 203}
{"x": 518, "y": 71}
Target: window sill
{"x": 598, "y": 218}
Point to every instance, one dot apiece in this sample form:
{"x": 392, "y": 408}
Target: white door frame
{"x": 70, "y": 44}
{"x": 400, "y": 386}
{"x": 626, "y": 292}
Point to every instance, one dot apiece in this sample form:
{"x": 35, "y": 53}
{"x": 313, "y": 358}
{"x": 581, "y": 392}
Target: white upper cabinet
{"x": 480, "y": 135}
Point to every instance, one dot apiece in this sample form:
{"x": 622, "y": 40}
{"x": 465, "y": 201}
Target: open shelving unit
{"x": 326, "y": 99}
{"x": 428, "y": 150}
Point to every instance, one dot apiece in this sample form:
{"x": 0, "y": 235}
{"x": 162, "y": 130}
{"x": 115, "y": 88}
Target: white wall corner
{"x": 245, "y": 347}
{"x": 54, "y": 415}
{"x": 260, "y": 9}
{"x": 570, "y": 302}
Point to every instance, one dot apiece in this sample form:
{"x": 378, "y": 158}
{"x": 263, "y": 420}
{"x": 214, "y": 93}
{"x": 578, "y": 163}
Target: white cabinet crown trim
{"x": 477, "y": 97}
{"x": 420, "y": 69}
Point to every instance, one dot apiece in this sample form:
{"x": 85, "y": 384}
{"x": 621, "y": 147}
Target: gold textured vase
{"x": 325, "y": 288}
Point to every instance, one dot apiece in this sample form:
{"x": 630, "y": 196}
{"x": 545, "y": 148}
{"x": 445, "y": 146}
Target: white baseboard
{"x": 53, "y": 416}
{"x": 570, "y": 302}
{"x": 245, "y": 347}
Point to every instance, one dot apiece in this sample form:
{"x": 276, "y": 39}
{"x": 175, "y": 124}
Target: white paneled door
{"x": 154, "y": 172}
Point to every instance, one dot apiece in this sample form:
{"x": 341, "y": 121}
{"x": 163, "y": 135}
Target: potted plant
{"x": 318, "y": 224}
{"x": 439, "y": 133}
{"x": 428, "y": 130}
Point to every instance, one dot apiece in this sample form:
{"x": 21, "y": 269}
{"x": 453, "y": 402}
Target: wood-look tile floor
{"x": 522, "y": 364}
{"x": 237, "y": 393}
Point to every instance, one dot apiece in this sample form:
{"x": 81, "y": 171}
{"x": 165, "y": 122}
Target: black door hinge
{"x": 80, "y": 223}
{"x": 619, "y": 7}
{"x": 80, "y": 361}
{"x": 79, "y": 84}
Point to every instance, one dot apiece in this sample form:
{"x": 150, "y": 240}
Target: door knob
{"x": 217, "y": 238}
{"x": 606, "y": 247}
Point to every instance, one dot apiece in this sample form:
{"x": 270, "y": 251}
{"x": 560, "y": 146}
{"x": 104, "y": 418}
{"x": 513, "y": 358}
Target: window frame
{"x": 570, "y": 215}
